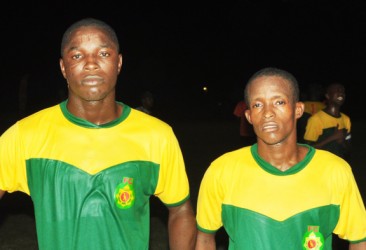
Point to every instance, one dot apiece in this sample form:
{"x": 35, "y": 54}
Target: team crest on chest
{"x": 124, "y": 195}
{"x": 313, "y": 239}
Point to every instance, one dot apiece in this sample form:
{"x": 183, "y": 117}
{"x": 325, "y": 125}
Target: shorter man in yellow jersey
{"x": 278, "y": 194}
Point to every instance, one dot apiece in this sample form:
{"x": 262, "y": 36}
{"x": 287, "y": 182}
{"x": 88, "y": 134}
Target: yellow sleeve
{"x": 313, "y": 129}
{"x": 173, "y": 187}
{"x": 12, "y": 161}
{"x": 210, "y": 200}
{"x": 352, "y": 220}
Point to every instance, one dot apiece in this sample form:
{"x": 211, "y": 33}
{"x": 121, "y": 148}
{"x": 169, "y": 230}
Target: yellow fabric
{"x": 321, "y": 121}
{"x": 312, "y": 107}
{"x": 236, "y": 179}
{"x": 49, "y": 134}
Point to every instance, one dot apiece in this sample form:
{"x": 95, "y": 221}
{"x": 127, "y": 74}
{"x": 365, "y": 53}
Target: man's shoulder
{"x": 43, "y": 112}
{"x": 235, "y": 155}
{"x": 329, "y": 158}
{"x": 318, "y": 116}
{"x": 141, "y": 119}
{"x": 37, "y": 121}
{"x": 345, "y": 116}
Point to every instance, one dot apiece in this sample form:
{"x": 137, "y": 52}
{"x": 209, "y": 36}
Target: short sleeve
{"x": 313, "y": 129}
{"x": 210, "y": 200}
{"x": 12, "y": 162}
{"x": 352, "y": 220}
{"x": 173, "y": 185}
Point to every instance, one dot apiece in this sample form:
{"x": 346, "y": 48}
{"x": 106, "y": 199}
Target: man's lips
{"x": 92, "y": 80}
{"x": 268, "y": 127}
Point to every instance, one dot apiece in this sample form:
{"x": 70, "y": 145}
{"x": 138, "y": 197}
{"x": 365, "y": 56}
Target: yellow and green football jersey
{"x": 262, "y": 207}
{"x": 91, "y": 184}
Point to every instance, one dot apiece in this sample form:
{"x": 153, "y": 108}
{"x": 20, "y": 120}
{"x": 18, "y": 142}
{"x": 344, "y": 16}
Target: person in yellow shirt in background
{"x": 313, "y": 102}
{"x": 329, "y": 128}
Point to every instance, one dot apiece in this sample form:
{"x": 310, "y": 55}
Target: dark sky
{"x": 174, "y": 49}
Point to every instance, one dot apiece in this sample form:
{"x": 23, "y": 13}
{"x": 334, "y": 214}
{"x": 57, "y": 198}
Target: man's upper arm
{"x": 182, "y": 226}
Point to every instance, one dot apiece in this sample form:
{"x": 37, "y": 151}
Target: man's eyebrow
{"x": 72, "y": 48}
{"x": 106, "y": 45}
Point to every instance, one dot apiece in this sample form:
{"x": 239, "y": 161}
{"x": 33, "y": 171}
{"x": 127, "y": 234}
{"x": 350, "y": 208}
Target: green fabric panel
{"x": 76, "y": 210}
{"x": 249, "y": 230}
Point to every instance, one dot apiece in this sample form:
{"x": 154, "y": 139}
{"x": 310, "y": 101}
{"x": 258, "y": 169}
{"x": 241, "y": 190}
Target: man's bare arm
{"x": 358, "y": 246}
{"x": 182, "y": 227}
{"x": 205, "y": 241}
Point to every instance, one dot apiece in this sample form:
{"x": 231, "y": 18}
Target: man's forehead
{"x": 271, "y": 79}
{"x": 87, "y": 35}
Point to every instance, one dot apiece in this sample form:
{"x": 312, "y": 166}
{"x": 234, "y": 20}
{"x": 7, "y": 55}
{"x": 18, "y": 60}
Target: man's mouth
{"x": 269, "y": 127}
{"x": 92, "y": 80}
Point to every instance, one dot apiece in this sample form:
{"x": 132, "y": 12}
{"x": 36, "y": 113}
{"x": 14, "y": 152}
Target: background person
{"x": 247, "y": 136}
{"x": 329, "y": 128}
{"x": 313, "y": 102}
{"x": 147, "y": 102}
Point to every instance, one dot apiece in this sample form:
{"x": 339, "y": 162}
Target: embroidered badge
{"x": 313, "y": 239}
{"x": 124, "y": 195}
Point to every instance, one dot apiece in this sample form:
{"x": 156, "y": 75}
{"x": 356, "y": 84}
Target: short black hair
{"x": 271, "y": 71}
{"x": 331, "y": 85}
{"x": 89, "y": 22}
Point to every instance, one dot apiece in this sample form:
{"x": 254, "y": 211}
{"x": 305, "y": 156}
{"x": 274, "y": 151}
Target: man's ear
{"x": 300, "y": 106}
{"x": 248, "y": 116}
{"x": 120, "y": 60}
{"x": 62, "y": 67}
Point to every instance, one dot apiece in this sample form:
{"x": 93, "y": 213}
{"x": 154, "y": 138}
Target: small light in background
{"x": 205, "y": 89}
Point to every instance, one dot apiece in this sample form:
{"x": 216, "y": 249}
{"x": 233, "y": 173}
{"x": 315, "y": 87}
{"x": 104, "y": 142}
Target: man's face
{"x": 91, "y": 64}
{"x": 272, "y": 110}
{"x": 336, "y": 94}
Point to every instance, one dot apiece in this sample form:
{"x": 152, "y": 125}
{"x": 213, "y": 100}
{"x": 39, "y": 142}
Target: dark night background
{"x": 174, "y": 49}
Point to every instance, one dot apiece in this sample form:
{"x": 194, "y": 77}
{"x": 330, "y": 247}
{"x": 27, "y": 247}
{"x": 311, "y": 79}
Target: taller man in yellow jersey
{"x": 90, "y": 164}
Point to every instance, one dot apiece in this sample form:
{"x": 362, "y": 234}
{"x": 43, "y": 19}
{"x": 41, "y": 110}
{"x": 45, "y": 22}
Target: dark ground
{"x": 201, "y": 142}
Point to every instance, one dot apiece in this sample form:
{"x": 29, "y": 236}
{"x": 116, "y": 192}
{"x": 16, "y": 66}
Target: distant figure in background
{"x": 314, "y": 101}
{"x": 147, "y": 102}
{"x": 330, "y": 129}
{"x": 247, "y": 136}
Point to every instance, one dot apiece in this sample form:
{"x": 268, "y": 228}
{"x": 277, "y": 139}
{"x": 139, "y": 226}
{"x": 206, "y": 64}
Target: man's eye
{"x": 105, "y": 54}
{"x": 280, "y": 102}
{"x": 77, "y": 56}
{"x": 256, "y": 105}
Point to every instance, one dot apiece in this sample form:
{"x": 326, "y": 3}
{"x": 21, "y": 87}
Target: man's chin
{"x": 270, "y": 141}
